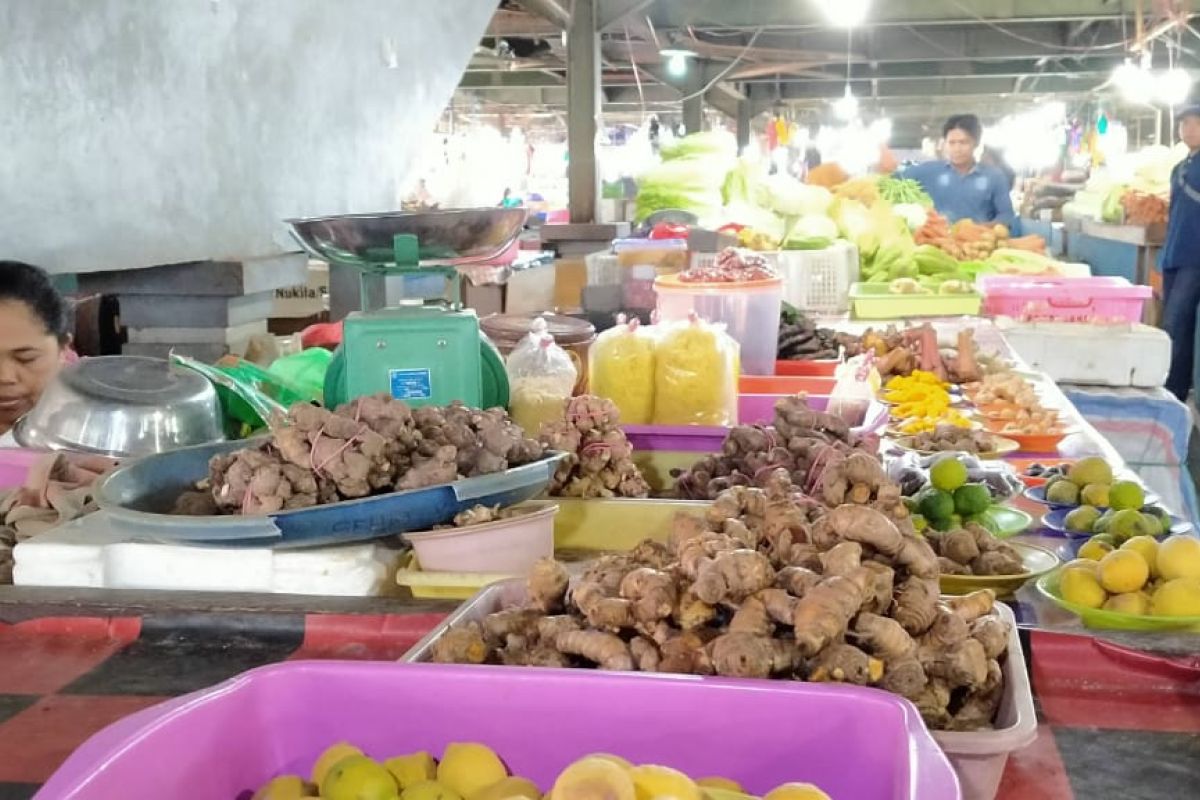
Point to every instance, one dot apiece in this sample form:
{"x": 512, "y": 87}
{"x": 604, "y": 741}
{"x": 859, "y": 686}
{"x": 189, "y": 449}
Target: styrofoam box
{"x": 91, "y": 552}
{"x": 1095, "y": 355}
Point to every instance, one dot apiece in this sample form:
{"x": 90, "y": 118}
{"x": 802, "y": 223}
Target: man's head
{"x": 1189, "y": 126}
{"x": 962, "y": 133}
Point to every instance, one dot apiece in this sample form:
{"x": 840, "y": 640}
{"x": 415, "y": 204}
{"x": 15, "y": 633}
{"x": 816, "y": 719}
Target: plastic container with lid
{"x": 749, "y": 311}
{"x": 573, "y": 335}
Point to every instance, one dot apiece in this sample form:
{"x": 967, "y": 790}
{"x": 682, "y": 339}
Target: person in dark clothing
{"x": 1180, "y": 258}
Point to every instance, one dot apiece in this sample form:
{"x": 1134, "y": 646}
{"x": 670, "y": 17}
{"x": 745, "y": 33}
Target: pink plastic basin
{"x": 15, "y": 464}
{"x": 223, "y": 742}
{"x": 1097, "y": 299}
{"x": 504, "y": 547}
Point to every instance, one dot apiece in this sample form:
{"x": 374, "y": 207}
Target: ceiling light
{"x": 677, "y": 60}
{"x": 1134, "y": 82}
{"x": 846, "y": 106}
{"x": 845, "y": 13}
{"x": 1173, "y": 86}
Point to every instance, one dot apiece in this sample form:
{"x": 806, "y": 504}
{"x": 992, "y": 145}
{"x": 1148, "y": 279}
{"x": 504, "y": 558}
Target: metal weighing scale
{"x": 425, "y": 353}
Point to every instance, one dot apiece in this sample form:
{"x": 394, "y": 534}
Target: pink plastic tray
{"x": 15, "y": 464}
{"x": 224, "y": 742}
{"x": 1095, "y": 299}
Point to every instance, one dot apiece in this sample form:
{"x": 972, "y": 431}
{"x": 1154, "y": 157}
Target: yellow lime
{"x": 467, "y": 767}
{"x": 1129, "y": 603}
{"x": 796, "y": 791}
{"x": 1123, "y": 571}
{"x": 652, "y": 781}
{"x": 1094, "y": 549}
{"x": 721, "y": 783}
{"x": 285, "y": 787}
{"x": 1179, "y": 557}
{"x": 1147, "y": 547}
{"x": 948, "y": 474}
{"x": 1081, "y": 587}
{"x": 1179, "y": 597}
{"x": 412, "y": 768}
{"x": 428, "y": 790}
{"x": 331, "y": 756}
{"x": 594, "y": 779}
{"x": 508, "y": 789}
{"x": 1126, "y": 494}
{"x": 359, "y": 778}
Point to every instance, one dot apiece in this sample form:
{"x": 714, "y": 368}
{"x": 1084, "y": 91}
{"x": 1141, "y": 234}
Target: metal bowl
{"x": 453, "y": 236}
{"x": 123, "y": 407}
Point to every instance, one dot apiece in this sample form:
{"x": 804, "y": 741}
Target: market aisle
{"x": 63, "y": 679}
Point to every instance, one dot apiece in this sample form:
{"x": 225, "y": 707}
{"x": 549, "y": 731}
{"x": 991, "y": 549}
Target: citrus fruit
{"x": 428, "y": 790}
{"x": 1148, "y": 548}
{"x": 508, "y": 789}
{"x": 467, "y": 767}
{"x": 1123, "y": 571}
{"x": 1095, "y": 549}
{"x": 948, "y": 474}
{"x": 1082, "y": 519}
{"x": 937, "y": 506}
{"x": 332, "y": 755}
{"x": 1179, "y": 557}
{"x": 971, "y": 498}
{"x": 412, "y": 768}
{"x": 1179, "y": 597}
{"x": 1062, "y": 491}
{"x": 1091, "y": 470}
{"x": 1126, "y": 494}
{"x": 650, "y": 782}
{"x": 1094, "y": 494}
{"x": 1085, "y": 563}
{"x": 1129, "y": 603}
{"x": 796, "y": 791}
{"x": 359, "y": 778}
{"x": 594, "y": 779}
{"x": 285, "y": 787}
{"x": 721, "y": 783}
{"x": 1081, "y": 587}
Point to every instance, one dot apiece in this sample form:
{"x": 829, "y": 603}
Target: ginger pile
{"x": 599, "y": 460}
{"x": 768, "y": 584}
{"x": 369, "y": 446}
{"x": 899, "y": 352}
{"x": 972, "y": 550}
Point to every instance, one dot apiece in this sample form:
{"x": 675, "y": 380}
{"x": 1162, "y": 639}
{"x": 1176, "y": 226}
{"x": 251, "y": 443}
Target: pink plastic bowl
{"x": 504, "y": 547}
{"x": 15, "y": 464}
{"x": 224, "y": 742}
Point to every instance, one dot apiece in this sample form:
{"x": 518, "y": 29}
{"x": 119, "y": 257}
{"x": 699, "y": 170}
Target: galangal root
{"x": 755, "y": 589}
{"x": 599, "y": 460}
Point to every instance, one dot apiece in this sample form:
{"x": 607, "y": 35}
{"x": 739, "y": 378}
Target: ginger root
{"x": 603, "y": 649}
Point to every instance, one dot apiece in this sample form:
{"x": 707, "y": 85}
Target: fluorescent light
{"x": 846, "y": 106}
{"x": 1173, "y": 86}
{"x": 677, "y": 60}
{"x": 1134, "y": 82}
{"x": 846, "y": 13}
{"x": 881, "y": 130}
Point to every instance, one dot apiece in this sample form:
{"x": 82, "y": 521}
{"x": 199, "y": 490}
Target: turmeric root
{"x": 733, "y": 576}
{"x": 845, "y": 663}
{"x": 645, "y": 654}
{"x": 601, "y": 611}
{"x": 549, "y": 628}
{"x": 461, "y": 644}
{"x": 905, "y": 677}
{"x": 604, "y": 649}
{"x": 686, "y": 654}
{"x": 869, "y": 527}
{"x": 652, "y": 594}
{"x": 823, "y": 613}
{"x": 961, "y": 664}
{"x": 916, "y": 605}
{"x": 692, "y": 612}
{"x": 744, "y": 655}
{"x": 879, "y": 600}
{"x": 762, "y": 611}
{"x": 842, "y": 559}
{"x": 796, "y": 581}
{"x": 981, "y": 704}
{"x": 992, "y": 632}
{"x": 547, "y": 585}
{"x": 884, "y": 637}
{"x": 971, "y": 607}
{"x": 512, "y": 621}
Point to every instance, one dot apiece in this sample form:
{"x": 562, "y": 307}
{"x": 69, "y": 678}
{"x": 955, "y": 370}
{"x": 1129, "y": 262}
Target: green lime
{"x": 937, "y": 505}
{"x": 948, "y": 474}
{"x": 1126, "y": 494}
{"x": 972, "y": 498}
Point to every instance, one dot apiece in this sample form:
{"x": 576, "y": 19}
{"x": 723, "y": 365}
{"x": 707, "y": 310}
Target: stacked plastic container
{"x": 1093, "y": 299}
{"x": 749, "y": 310}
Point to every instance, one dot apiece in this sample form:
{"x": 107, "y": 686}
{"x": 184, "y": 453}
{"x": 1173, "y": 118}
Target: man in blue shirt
{"x": 1180, "y": 258}
{"x": 960, "y": 186}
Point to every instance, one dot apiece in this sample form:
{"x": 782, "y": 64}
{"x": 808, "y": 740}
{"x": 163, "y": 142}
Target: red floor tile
{"x": 43, "y": 735}
{"x": 1036, "y": 772}
{"x": 382, "y": 637}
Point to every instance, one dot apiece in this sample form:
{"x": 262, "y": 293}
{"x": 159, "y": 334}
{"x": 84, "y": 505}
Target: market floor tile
{"x": 1146, "y": 765}
{"x": 49, "y": 730}
{"x": 1036, "y": 772}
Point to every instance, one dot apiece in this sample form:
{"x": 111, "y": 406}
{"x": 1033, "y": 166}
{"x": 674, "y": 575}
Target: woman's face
{"x": 29, "y": 358}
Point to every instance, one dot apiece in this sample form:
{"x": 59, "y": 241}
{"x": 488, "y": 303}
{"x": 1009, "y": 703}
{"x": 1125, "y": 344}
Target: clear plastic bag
{"x": 621, "y": 369}
{"x": 695, "y": 374}
{"x": 541, "y": 377}
{"x": 857, "y": 384}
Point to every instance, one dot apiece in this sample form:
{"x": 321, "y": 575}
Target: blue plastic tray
{"x": 1038, "y": 495}
{"x": 1056, "y": 521}
{"x": 137, "y": 496}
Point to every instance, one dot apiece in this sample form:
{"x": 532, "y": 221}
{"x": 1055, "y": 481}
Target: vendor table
{"x": 1113, "y": 724}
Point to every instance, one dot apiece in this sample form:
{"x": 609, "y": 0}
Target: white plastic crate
{"x": 819, "y": 280}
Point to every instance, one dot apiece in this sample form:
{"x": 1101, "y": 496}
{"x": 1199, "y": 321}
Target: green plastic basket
{"x": 876, "y": 301}
{"x": 1112, "y": 620}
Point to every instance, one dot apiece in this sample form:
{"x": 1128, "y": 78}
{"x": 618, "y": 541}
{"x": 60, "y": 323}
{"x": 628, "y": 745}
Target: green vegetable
{"x": 785, "y": 195}
{"x": 933, "y": 261}
{"x": 708, "y": 144}
{"x": 903, "y": 190}
{"x": 687, "y": 184}
{"x": 810, "y": 243}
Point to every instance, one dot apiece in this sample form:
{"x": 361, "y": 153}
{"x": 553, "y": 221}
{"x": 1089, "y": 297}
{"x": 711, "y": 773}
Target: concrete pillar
{"x": 583, "y": 108}
{"x": 743, "y": 124}
{"x": 693, "y": 103}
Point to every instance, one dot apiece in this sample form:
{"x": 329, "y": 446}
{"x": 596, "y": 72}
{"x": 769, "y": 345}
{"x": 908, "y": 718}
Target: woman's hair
{"x": 967, "y": 123}
{"x": 25, "y": 283}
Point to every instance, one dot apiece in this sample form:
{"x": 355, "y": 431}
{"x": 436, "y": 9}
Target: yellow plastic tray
{"x": 580, "y": 526}
{"x": 656, "y": 466}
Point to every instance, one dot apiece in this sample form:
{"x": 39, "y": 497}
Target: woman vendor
{"x": 34, "y": 340}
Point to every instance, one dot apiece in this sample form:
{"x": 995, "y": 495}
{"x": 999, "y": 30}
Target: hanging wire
{"x": 1028, "y": 40}
{"x": 737, "y": 60}
{"x": 637, "y": 77}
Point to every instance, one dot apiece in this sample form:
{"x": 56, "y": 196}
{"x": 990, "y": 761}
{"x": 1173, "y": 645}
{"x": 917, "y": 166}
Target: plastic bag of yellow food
{"x": 621, "y": 369}
{"x": 695, "y": 375}
{"x": 541, "y": 378}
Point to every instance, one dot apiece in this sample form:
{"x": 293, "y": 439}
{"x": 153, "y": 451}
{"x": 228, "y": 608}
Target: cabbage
{"x": 752, "y": 217}
{"x": 785, "y": 195}
{"x": 913, "y": 214}
{"x": 742, "y": 183}
{"x": 717, "y": 145}
{"x": 685, "y": 184}
{"x": 814, "y": 226}
{"x": 1112, "y": 210}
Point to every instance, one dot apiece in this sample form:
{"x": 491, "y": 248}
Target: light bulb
{"x": 677, "y": 65}
{"x": 846, "y": 106}
{"x": 846, "y": 13}
{"x": 1173, "y": 86}
{"x": 1134, "y": 82}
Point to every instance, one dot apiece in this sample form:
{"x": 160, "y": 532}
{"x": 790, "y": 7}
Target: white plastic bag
{"x": 541, "y": 377}
{"x": 857, "y": 383}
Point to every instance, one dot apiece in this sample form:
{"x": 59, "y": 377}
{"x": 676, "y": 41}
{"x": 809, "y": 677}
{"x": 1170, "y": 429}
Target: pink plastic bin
{"x": 223, "y": 742}
{"x": 1094, "y": 299}
{"x": 15, "y": 464}
{"x": 505, "y": 547}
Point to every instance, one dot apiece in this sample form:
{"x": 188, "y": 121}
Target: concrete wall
{"x": 142, "y": 132}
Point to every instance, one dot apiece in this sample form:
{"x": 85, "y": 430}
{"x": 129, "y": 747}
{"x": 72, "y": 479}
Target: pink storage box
{"x": 15, "y": 464}
{"x": 1095, "y": 299}
{"x": 224, "y": 742}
